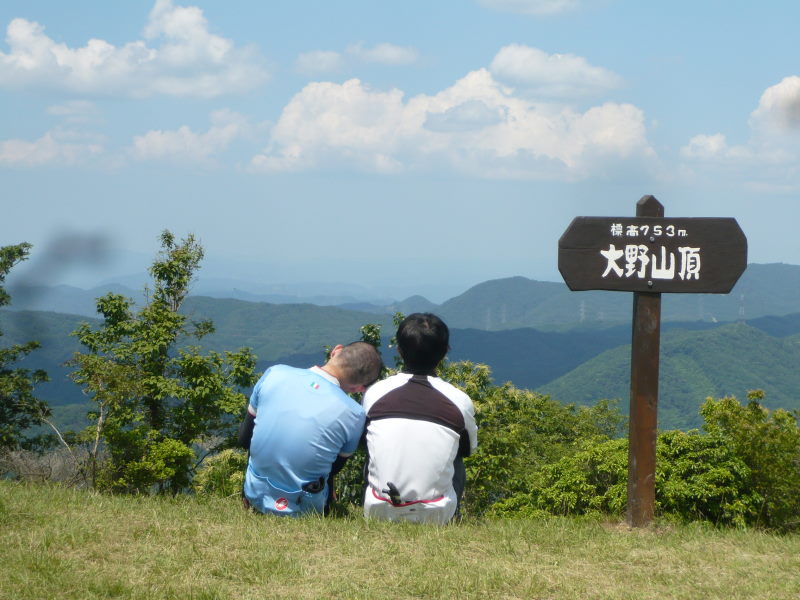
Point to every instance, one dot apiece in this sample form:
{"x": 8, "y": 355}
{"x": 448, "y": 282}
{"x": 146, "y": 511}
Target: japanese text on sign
{"x": 634, "y": 259}
{"x": 621, "y": 230}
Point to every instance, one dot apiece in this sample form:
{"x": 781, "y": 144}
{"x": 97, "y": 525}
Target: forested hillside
{"x": 728, "y": 360}
{"x": 499, "y": 304}
{"x": 574, "y": 360}
{"x": 275, "y": 331}
{"x": 515, "y": 302}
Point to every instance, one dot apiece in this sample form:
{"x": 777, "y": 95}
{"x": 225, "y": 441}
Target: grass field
{"x": 63, "y": 543}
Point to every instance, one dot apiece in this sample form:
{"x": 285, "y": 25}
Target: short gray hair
{"x": 359, "y": 363}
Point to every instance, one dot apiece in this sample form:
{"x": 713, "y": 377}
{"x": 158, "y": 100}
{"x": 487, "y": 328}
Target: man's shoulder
{"x": 390, "y": 382}
{"x": 379, "y": 388}
{"x": 279, "y": 370}
{"x": 452, "y": 392}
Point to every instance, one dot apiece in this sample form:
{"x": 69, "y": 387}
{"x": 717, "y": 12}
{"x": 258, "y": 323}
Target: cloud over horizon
{"x": 330, "y": 61}
{"x": 551, "y": 75}
{"x": 532, "y": 7}
{"x": 769, "y": 158}
{"x": 476, "y": 126}
{"x": 185, "y": 59}
{"x": 58, "y": 146}
{"x": 185, "y": 146}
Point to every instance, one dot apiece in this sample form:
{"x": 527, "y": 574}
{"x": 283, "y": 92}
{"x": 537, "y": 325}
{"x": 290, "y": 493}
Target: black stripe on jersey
{"x": 417, "y": 399}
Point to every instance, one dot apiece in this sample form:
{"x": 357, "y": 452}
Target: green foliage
{"x": 744, "y": 471}
{"x": 701, "y": 478}
{"x": 221, "y": 474}
{"x": 698, "y": 477}
{"x": 519, "y": 431}
{"x": 593, "y": 479}
{"x": 769, "y": 444}
{"x": 19, "y": 408}
{"x": 156, "y": 402}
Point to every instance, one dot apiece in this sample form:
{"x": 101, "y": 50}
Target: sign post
{"x": 649, "y": 255}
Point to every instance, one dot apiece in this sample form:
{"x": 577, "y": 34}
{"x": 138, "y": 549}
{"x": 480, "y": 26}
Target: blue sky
{"x": 414, "y": 147}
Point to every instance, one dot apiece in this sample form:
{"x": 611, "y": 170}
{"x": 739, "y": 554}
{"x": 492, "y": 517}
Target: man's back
{"x": 417, "y": 426}
{"x": 303, "y": 422}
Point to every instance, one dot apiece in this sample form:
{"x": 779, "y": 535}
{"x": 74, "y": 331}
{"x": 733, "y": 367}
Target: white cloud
{"x": 476, "y": 126}
{"x": 532, "y": 7}
{"x": 551, "y": 75}
{"x": 330, "y": 61}
{"x": 319, "y": 61}
{"x": 185, "y": 146}
{"x": 384, "y": 54}
{"x": 766, "y": 162}
{"x": 74, "y": 111}
{"x": 711, "y": 147}
{"x": 470, "y": 115}
{"x": 185, "y": 60}
{"x": 779, "y": 107}
{"x": 56, "y": 147}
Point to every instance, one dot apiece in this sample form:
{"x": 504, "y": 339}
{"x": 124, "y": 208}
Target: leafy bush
{"x": 593, "y": 479}
{"x": 744, "y": 471}
{"x": 221, "y": 474}
{"x": 769, "y": 444}
{"x": 519, "y": 432}
{"x": 700, "y": 477}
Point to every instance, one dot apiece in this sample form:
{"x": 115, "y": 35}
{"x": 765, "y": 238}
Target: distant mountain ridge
{"x": 770, "y": 289}
{"x": 577, "y": 353}
{"x": 499, "y": 304}
{"x": 727, "y": 360}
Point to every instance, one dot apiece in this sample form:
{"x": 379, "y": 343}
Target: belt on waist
{"x": 396, "y": 502}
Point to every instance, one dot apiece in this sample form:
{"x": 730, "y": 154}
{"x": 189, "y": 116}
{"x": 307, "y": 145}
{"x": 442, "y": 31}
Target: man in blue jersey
{"x": 419, "y": 430}
{"x": 300, "y": 428}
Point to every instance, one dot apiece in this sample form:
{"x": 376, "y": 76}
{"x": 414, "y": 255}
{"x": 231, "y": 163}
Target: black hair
{"x": 423, "y": 340}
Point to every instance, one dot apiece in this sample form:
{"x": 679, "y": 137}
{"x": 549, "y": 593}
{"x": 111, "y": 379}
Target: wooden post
{"x": 645, "y": 340}
{"x": 613, "y": 253}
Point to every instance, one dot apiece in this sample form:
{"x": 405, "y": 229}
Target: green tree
{"x": 19, "y": 408}
{"x": 769, "y": 444}
{"x": 157, "y": 403}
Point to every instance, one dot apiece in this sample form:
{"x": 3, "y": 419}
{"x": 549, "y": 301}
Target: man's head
{"x": 356, "y": 366}
{"x": 422, "y": 340}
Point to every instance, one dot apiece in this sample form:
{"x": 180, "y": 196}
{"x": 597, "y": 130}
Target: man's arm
{"x": 246, "y": 428}
{"x": 339, "y": 463}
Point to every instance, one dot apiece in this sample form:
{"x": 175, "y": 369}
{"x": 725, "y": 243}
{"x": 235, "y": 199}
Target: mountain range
{"x": 538, "y": 335}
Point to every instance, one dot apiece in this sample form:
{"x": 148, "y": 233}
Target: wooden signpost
{"x": 649, "y": 255}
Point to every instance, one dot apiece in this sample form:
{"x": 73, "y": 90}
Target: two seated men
{"x": 301, "y": 426}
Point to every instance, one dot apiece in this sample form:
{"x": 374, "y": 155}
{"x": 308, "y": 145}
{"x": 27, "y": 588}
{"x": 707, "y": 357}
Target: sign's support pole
{"x": 645, "y": 340}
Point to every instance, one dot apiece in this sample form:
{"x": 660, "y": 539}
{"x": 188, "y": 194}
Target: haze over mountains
{"x": 538, "y": 335}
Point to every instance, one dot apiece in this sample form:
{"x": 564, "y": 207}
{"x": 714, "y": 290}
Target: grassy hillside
{"x": 729, "y": 360}
{"x": 71, "y": 544}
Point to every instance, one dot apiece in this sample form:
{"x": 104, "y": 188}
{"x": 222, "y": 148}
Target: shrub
{"x": 221, "y": 474}
{"x": 698, "y": 477}
{"x": 769, "y": 444}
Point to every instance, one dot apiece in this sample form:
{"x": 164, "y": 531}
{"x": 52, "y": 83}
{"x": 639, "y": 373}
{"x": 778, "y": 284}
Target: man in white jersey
{"x": 300, "y": 428}
{"x": 419, "y": 429}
